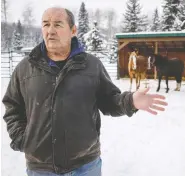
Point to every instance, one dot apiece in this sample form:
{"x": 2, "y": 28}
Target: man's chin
{"x": 51, "y": 47}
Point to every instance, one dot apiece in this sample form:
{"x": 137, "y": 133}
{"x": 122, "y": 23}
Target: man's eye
{"x": 46, "y": 25}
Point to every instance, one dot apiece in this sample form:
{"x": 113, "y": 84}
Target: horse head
{"x": 153, "y": 60}
{"x": 158, "y": 60}
{"x": 132, "y": 61}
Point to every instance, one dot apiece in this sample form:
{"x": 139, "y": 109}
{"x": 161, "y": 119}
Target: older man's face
{"x": 56, "y": 31}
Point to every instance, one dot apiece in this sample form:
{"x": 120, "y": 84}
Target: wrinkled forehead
{"x": 54, "y": 14}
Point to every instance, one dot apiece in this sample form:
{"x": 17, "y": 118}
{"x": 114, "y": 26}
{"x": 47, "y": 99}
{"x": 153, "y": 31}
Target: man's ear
{"x": 74, "y": 31}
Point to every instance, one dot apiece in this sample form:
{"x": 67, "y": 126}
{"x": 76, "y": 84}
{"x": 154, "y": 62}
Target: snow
{"x": 7, "y": 64}
{"x": 158, "y": 32}
{"x": 145, "y": 144}
{"x": 27, "y": 49}
{"x": 142, "y": 145}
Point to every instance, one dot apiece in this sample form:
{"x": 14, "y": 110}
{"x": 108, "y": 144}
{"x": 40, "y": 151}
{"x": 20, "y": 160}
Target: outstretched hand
{"x": 149, "y": 102}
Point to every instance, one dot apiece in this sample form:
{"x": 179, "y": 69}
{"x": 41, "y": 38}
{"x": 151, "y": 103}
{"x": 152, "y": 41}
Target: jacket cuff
{"x": 17, "y": 143}
{"x": 134, "y": 109}
{"x": 128, "y": 106}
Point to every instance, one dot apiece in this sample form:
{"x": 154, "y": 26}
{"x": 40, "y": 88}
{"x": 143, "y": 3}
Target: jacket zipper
{"x": 53, "y": 138}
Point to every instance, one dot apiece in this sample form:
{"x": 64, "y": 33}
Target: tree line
{"x": 96, "y": 28}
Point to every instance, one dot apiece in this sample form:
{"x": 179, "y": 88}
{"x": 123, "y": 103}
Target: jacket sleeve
{"x": 110, "y": 99}
{"x": 15, "y": 116}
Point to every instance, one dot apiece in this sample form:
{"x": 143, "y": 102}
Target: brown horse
{"x": 137, "y": 67}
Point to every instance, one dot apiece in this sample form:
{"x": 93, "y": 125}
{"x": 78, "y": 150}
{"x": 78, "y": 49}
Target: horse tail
{"x": 182, "y": 65}
{"x": 181, "y": 71}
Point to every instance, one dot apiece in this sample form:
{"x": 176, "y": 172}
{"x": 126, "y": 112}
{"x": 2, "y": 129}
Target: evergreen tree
{"x": 172, "y": 15}
{"x": 83, "y": 23}
{"x": 19, "y": 28}
{"x": 16, "y": 41}
{"x": 38, "y": 37}
{"x": 4, "y": 35}
{"x": 182, "y": 18}
{"x": 155, "y": 21}
{"x": 113, "y": 50}
{"x": 133, "y": 19}
{"x": 94, "y": 41}
{"x": 17, "y": 37}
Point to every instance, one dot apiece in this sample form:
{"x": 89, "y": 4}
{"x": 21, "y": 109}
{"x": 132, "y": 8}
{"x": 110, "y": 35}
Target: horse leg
{"x": 178, "y": 79}
{"x": 159, "y": 83}
{"x": 167, "y": 88}
{"x": 146, "y": 81}
{"x": 137, "y": 78}
{"x": 178, "y": 87}
{"x": 131, "y": 78}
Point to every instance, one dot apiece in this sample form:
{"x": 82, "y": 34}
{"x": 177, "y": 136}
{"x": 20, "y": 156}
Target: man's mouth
{"x": 51, "y": 39}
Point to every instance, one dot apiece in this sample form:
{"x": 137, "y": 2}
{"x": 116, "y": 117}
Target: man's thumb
{"x": 146, "y": 90}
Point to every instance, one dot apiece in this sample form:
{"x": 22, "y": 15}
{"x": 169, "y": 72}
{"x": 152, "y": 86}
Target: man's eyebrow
{"x": 45, "y": 21}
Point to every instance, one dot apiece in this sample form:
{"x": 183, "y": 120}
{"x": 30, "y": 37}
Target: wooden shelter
{"x": 171, "y": 44}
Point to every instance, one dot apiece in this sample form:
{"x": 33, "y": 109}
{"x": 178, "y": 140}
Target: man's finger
{"x": 157, "y": 108}
{"x": 151, "y": 111}
{"x": 158, "y": 96}
{"x": 146, "y": 90}
{"x": 160, "y": 102}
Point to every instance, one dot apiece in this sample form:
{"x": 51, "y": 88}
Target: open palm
{"x": 149, "y": 102}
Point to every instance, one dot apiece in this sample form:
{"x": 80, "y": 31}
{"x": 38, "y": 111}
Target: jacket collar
{"x": 76, "y": 48}
{"x": 77, "y": 56}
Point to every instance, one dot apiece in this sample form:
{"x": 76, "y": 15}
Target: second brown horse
{"x": 137, "y": 67}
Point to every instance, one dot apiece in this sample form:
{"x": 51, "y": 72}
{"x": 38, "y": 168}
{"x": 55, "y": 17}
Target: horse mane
{"x": 160, "y": 60}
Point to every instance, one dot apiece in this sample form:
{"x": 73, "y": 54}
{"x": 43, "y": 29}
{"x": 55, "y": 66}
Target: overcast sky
{"x": 16, "y": 7}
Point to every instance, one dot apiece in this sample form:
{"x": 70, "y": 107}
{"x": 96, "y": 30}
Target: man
{"x": 53, "y": 102}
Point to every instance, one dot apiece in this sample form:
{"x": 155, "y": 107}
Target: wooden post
{"x": 123, "y": 45}
{"x": 156, "y": 52}
{"x": 11, "y": 62}
{"x": 119, "y": 61}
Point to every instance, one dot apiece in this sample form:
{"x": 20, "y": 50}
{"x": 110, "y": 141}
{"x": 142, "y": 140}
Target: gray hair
{"x": 70, "y": 18}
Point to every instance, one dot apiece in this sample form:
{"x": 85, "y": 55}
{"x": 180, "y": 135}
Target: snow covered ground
{"x": 143, "y": 145}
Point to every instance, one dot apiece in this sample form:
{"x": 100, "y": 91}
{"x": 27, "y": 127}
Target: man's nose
{"x": 51, "y": 30}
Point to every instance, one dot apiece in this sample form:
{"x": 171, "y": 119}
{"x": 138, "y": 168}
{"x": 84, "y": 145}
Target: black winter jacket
{"x": 54, "y": 117}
